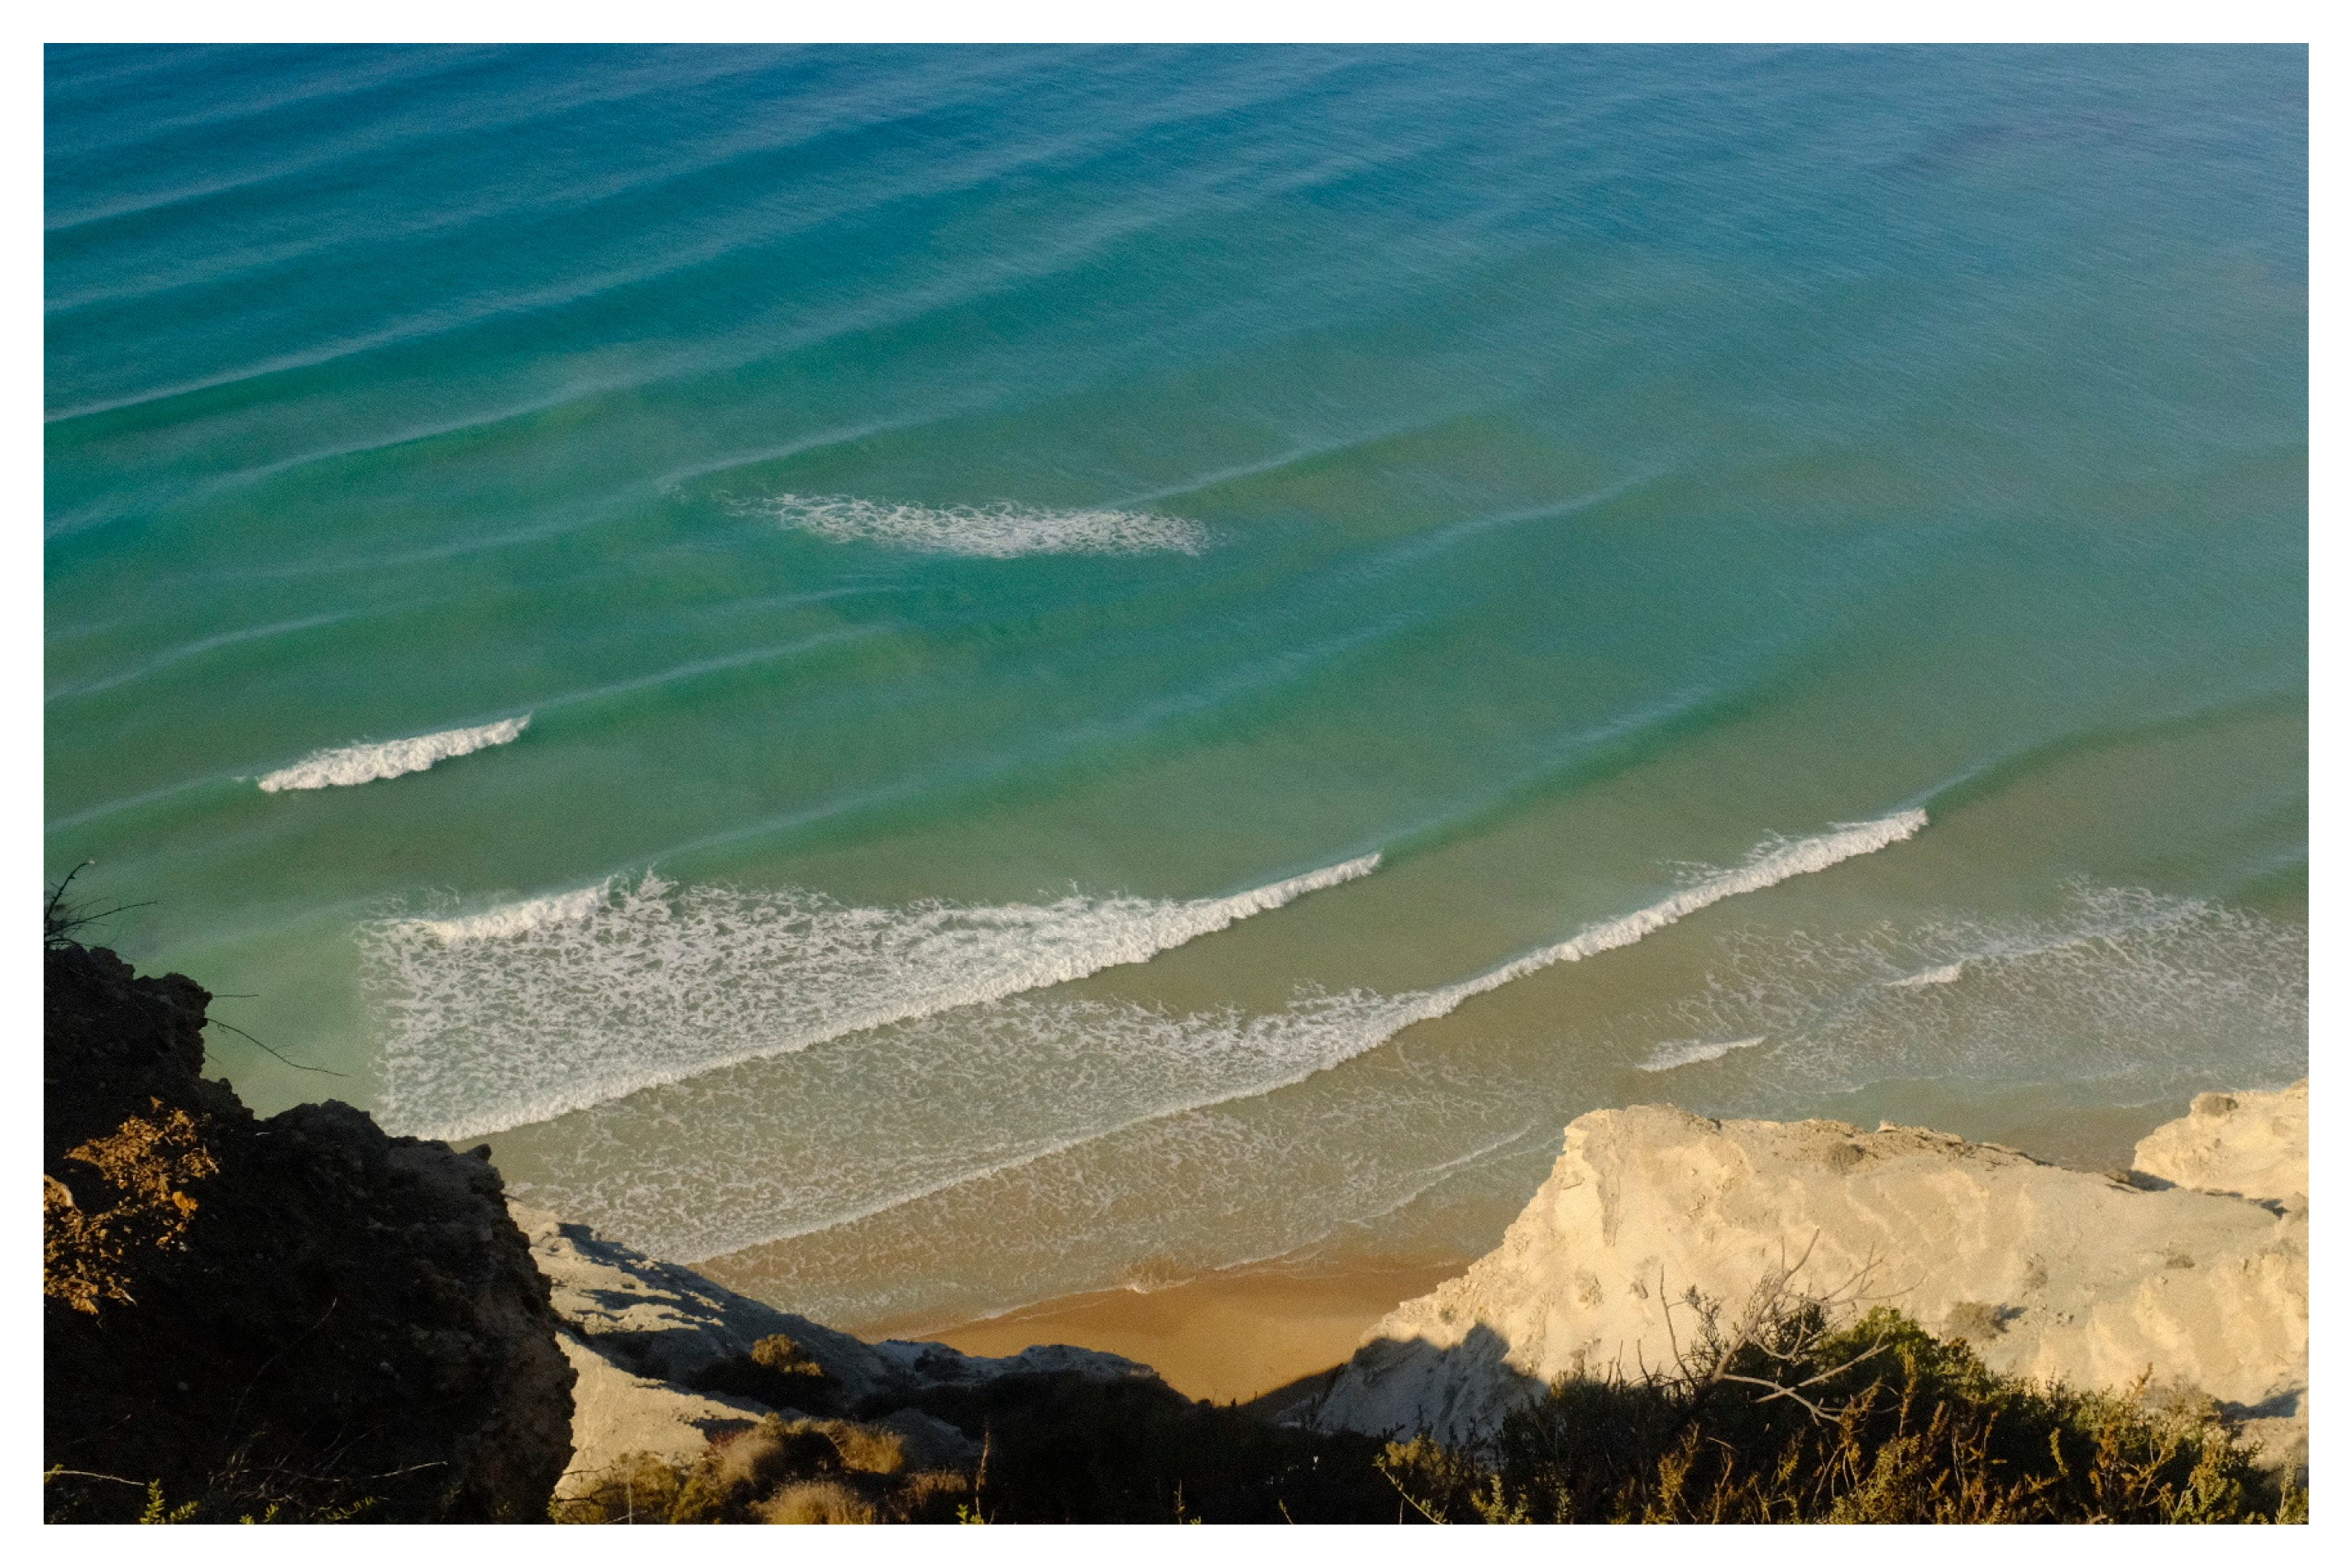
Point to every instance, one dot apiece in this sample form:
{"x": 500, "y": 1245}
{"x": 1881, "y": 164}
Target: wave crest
{"x": 702, "y": 1168}
{"x": 1002, "y": 531}
{"x": 561, "y": 1002}
{"x": 369, "y": 760}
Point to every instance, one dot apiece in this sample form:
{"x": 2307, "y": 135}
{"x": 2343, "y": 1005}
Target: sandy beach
{"x": 1227, "y": 1336}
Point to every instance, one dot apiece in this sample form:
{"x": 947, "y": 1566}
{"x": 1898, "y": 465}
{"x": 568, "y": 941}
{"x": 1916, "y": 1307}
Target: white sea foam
{"x": 369, "y": 760}
{"x": 521, "y": 919}
{"x": 1771, "y": 862}
{"x": 1690, "y": 1053}
{"x": 2151, "y": 997}
{"x": 1002, "y": 531}
{"x": 928, "y": 1106}
{"x": 547, "y": 1006}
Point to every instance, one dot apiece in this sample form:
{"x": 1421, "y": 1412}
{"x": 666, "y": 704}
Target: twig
{"x": 51, "y": 908}
{"x": 1408, "y": 1497}
{"x": 301, "y": 1067}
{"x": 57, "y": 1470}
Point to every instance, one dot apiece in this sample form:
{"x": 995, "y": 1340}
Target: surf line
{"x": 368, "y": 762}
{"x": 942, "y": 957}
{"x": 1771, "y": 862}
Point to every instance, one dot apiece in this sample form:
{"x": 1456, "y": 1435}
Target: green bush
{"x": 1878, "y": 1422}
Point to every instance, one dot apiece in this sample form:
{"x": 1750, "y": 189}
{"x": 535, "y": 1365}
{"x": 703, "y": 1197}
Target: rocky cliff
{"x": 2046, "y": 1272}
{"x": 292, "y": 1318}
{"x": 664, "y": 1360}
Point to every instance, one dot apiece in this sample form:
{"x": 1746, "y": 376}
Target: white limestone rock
{"x": 2253, "y": 1144}
{"x": 615, "y": 1413}
{"x": 2048, "y": 1272}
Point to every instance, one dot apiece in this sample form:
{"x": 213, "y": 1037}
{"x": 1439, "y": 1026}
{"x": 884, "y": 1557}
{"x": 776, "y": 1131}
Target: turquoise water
{"x": 1039, "y": 668}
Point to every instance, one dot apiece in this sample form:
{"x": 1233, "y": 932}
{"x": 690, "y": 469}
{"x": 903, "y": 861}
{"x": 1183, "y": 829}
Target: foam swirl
{"x": 369, "y": 760}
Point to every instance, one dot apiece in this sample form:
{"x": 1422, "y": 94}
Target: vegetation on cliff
{"x": 1780, "y": 1417}
{"x": 291, "y": 1318}
{"x": 1792, "y": 1421}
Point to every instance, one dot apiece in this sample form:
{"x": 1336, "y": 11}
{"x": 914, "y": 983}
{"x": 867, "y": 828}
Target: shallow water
{"x": 820, "y": 643}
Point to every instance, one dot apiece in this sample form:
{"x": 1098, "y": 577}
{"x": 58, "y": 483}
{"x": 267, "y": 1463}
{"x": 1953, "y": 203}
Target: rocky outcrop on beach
{"x": 291, "y": 1318}
{"x": 2250, "y": 1145}
{"x": 669, "y": 1362}
{"x": 2190, "y": 1273}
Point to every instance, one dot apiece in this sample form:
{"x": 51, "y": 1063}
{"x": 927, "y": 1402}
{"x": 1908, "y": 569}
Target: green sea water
{"x": 942, "y": 676}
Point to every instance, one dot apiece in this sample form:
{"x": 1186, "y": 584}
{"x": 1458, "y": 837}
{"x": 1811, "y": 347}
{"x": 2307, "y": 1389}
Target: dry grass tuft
{"x": 780, "y": 1472}
{"x": 88, "y": 1255}
{"x": 817, "y": 1502}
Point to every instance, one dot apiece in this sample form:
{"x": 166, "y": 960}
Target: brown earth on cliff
{"x": 296, "y": 1318}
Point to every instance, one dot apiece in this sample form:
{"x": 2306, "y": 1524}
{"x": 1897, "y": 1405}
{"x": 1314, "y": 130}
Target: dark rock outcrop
{"x": 298, "y": 1318}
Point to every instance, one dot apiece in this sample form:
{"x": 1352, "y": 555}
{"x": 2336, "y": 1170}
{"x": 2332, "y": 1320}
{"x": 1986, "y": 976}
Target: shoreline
{"x": 1235, "y": 1334}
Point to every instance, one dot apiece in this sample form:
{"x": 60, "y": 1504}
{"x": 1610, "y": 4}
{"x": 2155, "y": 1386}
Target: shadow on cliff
{"x": 1788, "y": 1416}
{"x": 292, "y": 1319}
{"x": 1388, "y": 1394}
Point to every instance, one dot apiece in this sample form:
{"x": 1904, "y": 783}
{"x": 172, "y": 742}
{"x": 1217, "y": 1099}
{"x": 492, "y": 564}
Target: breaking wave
{"x": 547, "y": 1006}
{"x": 696, "y": 1169}
{"x": 1002, "y": 531}
{"x": 1774, "y": 862}
{"x": 369, "y": 760}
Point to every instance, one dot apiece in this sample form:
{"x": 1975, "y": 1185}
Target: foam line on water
{"x": 1690, "y": 1053}
{"x": 367, "y": 762}
{"x": 561, "y": 1002}
{"x": 1321, "y": 1031}
{"x": 2145, "y": 995}
{"x": 1112, "y": 1067}
{"x": 1001, "y": 530}
{"x": 1769, "y": 863}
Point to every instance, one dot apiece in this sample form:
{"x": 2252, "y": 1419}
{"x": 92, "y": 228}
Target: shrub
{"x": 777, "y": 1372}
{"x": 817, "y": 1502}
{"x": 146, "y": 1167}
{"x": 780, "y": 1472}
{"x": 1878, "y": 1422}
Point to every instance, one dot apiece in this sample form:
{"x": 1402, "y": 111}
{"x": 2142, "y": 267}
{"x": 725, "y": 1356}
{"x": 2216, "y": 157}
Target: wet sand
{"x": 1227, "y": 1336}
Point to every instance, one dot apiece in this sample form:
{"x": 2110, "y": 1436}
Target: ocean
{"x": 934, "y": 678}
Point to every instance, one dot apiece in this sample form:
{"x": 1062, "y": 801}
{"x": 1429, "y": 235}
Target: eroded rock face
{"x": 2047, "y": 1272}
{"x": 645, "y": 1334}
{"x": 2252, "y": 1144}
{"x": 343, "y": 1318}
